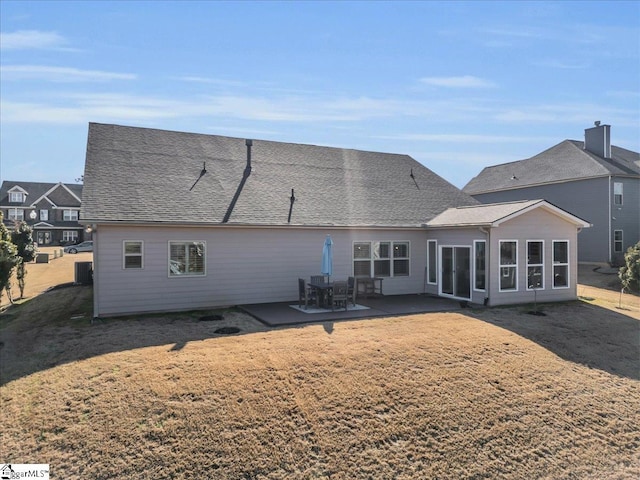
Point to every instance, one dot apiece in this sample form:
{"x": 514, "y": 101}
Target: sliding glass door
{"x": 456, "y": 271}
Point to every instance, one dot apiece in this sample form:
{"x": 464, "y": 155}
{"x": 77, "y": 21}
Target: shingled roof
{"x": 492, "y": 215}
{"x": 36, "y": 190}
{"x": 565, "y": 161}
{"x": 141, "y": 175}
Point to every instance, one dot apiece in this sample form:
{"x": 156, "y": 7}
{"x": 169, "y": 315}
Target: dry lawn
{"x": 495, "y": 393}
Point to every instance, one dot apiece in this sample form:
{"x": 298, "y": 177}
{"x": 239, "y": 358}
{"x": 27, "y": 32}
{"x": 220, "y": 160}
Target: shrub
{"x": 629, "y": 273}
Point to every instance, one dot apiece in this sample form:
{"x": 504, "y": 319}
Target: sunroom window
{"x": 535, "y": 264}
{"x": 560, "y": 264}
{"x": 508, "y": 265}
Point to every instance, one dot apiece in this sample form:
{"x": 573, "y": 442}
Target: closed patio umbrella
{"x": 327, "y": 257}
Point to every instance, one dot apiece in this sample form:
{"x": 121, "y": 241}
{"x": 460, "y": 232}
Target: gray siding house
{"x": 592, "y": 179}
{"x": 185, "y": 221}
{"x": 51, "y": 209}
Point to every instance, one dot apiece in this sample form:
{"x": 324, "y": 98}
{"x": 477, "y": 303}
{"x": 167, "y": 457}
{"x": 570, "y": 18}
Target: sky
{"x": 457, "y": 85}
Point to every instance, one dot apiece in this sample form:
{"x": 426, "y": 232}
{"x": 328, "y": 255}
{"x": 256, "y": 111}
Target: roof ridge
{"x": 499, "y": 203}
{"x": 182, "y": 132}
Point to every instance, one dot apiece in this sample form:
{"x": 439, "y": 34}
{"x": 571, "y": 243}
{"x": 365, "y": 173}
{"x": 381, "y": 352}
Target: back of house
{"x": 185, "y": 221}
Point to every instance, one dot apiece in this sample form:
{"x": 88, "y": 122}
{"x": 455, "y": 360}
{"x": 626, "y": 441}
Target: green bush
{"x": 629, "y": 273}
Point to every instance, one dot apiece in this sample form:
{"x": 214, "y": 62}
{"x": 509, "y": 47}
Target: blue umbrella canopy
{"x": 327, "y": 257}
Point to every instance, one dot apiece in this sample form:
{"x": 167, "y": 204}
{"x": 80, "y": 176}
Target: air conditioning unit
{"x": 84, "y": 273}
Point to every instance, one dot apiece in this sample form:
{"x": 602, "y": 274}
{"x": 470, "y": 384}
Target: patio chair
{"x": 365, "y": 286}
{"x": 351, "y": 289}
{"x": 305, "y": 295}
{"x": 340, "y": 294}
{"x": 318, "y": 279}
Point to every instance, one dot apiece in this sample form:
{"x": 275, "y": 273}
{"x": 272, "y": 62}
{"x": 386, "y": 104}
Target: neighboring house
{"x": 51, "y": 209}
{"x": 184, "y": 221}
{"x": 592, "y": 179}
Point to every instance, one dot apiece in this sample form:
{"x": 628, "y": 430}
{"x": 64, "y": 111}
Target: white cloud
{"x": 60, "y": 74}
{"x": 31, "y": 39}
{"x": 465, "y": 81}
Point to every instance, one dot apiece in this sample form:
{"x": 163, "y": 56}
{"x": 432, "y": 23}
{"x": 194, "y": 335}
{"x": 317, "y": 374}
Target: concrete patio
{"x": 280, "y": 314}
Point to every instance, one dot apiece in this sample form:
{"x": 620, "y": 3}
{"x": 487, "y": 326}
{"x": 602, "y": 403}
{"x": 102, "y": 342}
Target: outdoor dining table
{"x": 323, "y": 292}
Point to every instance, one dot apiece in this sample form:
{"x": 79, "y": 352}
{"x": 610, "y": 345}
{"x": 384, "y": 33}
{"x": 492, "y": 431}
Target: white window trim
{"x": 186, "y": 275}
{"x": 45, "y": 217}
{"x": 535, "y": 265}
{"x": 473, "y": 268}
{"x": 69, "y": 233}
{"x": 440, "y": 262}
{"x": 621, "y": 241}
{"x": 554, "y": 264}
{"x": 15, "y": 216}
{"x": 64, "y": 214}
{"x": 18, "y": 194}
{"x": 621, "y": 193}
{"x": 394, "y": 258}
{"x": 435, "y": 253}
{"x": 501, "y": 266}
{"x": 125, "y": 255}
{"x": 391, "y": 258}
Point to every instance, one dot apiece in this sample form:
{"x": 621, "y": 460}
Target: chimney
{"x": 597, "y": 140}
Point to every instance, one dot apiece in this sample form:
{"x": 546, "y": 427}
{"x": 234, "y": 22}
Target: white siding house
{"x": 183, "y": 221}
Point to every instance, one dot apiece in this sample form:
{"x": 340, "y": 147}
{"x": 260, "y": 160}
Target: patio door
{"x": 455, "y": 274}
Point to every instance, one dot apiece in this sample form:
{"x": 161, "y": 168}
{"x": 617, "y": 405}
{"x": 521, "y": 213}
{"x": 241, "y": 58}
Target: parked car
{"x": 81, "y": 247}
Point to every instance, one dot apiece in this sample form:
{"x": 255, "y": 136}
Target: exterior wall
{"x": 587, "y": 199}
{"x": 456, "y": 237}
{"x": 534, "y": 225}
{"x": 243, "y": 266}
{"x": 625, "y": 217}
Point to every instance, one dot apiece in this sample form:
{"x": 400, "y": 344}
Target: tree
{"x": 8, "y": 257}
{"x": 22, "y": 238}
{"x": 629, "y": 273}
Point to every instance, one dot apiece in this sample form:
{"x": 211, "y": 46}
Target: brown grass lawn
{"x": 494, "y": 393}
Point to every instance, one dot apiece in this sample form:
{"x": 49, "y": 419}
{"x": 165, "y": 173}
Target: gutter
{"x": 487, "y": 266}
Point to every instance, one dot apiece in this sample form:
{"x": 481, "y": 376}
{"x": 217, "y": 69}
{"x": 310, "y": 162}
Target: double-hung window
{"x": 535, "y": 264}
{"x": 617, "y": 193}
{"x": 508, "y": 265}
{"x": 186, "y": 258}
{"x": 16, "y": 197}
{"x": 16, "y": 214}
{"x": 617, "y": 241}
{"x": 362, "y": 258}
{"x": 560, "y": 264}
{"x": 44, "y": 215}
{"x": 69, "y": 236}
{"x": 132, "y": 254}
{"x": 400, "y": 259}
{"x": 381, "y": 259}
{"x": 70, "y": 215}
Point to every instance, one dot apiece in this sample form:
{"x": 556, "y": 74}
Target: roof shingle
{"x": 145, "y": 175}
{"x": 565, "y": 161}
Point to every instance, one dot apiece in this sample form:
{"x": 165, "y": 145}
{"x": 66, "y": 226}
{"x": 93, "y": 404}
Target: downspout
{"x": 487, "y": 269}
{"x": 245, "y": 175}
{"x": 609, "y": 213}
